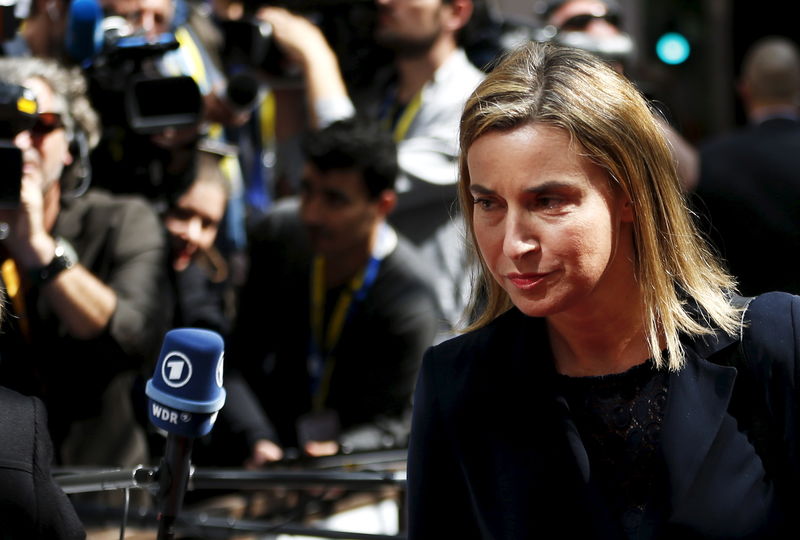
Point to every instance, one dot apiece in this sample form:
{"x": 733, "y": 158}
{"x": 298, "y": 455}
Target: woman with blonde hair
{"x": 612, "y": 384}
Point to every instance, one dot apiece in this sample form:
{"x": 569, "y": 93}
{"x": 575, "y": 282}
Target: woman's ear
{"x": 627, "y": 211}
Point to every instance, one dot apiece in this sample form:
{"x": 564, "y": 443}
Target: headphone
{"x": 77, "y": 177}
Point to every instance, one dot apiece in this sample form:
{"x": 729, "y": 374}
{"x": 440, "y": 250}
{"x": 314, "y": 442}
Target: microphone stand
{"x": 173, "y": 475}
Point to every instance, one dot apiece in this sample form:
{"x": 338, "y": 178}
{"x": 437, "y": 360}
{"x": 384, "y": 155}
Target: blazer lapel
{"x": 698, "y": 400}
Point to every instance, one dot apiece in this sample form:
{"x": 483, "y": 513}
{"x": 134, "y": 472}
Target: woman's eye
{"x": 484, "y": 204}
{"x": 550, "y": 203}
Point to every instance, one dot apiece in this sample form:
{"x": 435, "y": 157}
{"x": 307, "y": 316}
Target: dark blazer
{"x": 31, "y": 504}
{"x": 749, "y": 188}
{"x": 495, "y": 454}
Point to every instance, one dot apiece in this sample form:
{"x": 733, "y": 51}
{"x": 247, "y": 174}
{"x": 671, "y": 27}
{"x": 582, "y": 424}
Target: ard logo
{"x": 176, "y": 370}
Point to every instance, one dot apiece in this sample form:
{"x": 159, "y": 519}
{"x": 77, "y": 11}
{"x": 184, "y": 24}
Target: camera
{"x": 346, "y": 24}
{"x": 18, "y": 111}
{"x": 134, "y": 99}
{"x": 123, "y": 79}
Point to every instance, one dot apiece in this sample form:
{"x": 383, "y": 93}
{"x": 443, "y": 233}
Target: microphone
{"x": 84, "y": 36}
{"x": 184, "y": 397}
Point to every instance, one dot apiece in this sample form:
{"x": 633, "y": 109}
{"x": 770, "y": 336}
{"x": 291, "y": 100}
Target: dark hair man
{"x": 336, "y": 311}
{"x": 418, "y": 98}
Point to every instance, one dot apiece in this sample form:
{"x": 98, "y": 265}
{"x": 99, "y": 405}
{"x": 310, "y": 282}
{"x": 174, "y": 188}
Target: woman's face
{"x": 549, "y": 226}
{"x": 194, "y": 220}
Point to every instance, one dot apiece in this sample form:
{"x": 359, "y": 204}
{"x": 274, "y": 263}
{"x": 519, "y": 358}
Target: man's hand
{"x": 321, "y": 448}
{"x": 264, "y": 451}
{"x": 304, "y": 44}
{"x": 28, "y": 240}
{"x": 299, "y": 39}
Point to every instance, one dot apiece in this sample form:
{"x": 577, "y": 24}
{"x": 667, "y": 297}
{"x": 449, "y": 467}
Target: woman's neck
{"x": 611, "y": 342}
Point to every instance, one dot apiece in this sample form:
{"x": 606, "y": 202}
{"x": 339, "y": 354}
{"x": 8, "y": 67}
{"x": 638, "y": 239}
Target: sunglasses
{"x": 580, "y": 22}
{"x": 46, "y": 123}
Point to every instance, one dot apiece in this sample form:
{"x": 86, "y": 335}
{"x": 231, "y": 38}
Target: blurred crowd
{"x": 282, "y": 173}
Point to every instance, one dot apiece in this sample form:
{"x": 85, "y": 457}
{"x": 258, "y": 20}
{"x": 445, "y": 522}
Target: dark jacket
{"x": 121, "y": 242}
{"x": 495, "y": 454}
{"x": 377, "y": 354}
{"x": 749, "y": 188}
{"x": 31, "y": 504}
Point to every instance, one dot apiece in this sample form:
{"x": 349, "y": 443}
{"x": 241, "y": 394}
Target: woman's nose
{"x": 520, "y": 238}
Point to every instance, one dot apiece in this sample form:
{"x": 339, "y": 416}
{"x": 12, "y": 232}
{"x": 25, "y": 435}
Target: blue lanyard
{"x": 320, "y": 360}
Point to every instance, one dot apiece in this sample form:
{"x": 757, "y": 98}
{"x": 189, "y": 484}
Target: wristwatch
{"x": 63, "y": 259}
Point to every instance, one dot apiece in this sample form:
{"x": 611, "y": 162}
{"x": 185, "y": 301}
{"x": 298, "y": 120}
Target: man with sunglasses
{"x": 84, "y": 275}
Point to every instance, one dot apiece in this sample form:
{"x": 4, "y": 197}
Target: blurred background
{"x": 699, "y": 91}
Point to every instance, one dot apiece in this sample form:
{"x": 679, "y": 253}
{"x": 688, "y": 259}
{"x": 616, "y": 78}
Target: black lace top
{"x": 619, "y": 419}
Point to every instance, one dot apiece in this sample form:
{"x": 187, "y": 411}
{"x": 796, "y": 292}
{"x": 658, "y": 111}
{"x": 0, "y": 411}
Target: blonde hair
{"x": 683, "y": 286}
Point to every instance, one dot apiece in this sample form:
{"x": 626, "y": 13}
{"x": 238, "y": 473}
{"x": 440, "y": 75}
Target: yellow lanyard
{"x": 322, "y": 343}
{"x": 16, "y": 294}
{"x": 340, "y": 311}
{"x": 409, "y": 113}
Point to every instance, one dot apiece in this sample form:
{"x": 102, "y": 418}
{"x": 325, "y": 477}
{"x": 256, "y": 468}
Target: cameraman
{"x": 153, "y": 18}
{"x": 173, "y": 150}
{"x": 84, "y": 276}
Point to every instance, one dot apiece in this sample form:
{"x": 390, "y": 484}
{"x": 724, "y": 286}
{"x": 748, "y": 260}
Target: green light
{"x": 672, "y": 48}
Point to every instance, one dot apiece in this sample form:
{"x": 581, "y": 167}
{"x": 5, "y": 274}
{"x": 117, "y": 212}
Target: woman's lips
{"x": 525, "y": 281}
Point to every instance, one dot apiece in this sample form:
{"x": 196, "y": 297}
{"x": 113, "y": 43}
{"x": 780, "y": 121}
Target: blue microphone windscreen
{"x": 186, "y": 388}
{"x": 84, "y": 36}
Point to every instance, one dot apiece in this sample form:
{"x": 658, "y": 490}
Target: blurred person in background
{"x": 85, "y": 276}
{"x": 204, "y": 298}
{"x": 417, "y": 98}
{"x": 337, "y": 308}
{"x": 160, "y": 163}
{"x": 596, "y": 26}
{"x": 750, "y": 179}
{"x": 41, "y": 31}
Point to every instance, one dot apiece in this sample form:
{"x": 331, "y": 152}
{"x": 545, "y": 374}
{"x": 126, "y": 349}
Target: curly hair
{"x": 68, "y": 86}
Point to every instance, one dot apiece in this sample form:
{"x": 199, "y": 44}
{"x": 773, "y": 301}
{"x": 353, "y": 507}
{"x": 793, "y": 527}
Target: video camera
{"x": 18, "y": 111}
{"x": 120, "y": 66}
{"x": 134, "y": 98}
{"x": 346, "y": 24}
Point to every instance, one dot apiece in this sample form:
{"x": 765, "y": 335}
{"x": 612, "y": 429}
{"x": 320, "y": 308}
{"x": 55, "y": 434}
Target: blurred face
{"x": 45, "y": 147}
{"x": 589, "y": 16}
{"x": 338, "y": 213}
{"x": 194, "y": 221}
{"x": 409, "y": 27}
{"x": 153, "y": 17}
{"x": 551, "y": 230}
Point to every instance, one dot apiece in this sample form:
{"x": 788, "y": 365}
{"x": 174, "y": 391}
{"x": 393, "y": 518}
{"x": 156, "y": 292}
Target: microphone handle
{"x": 173, "y": 478}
